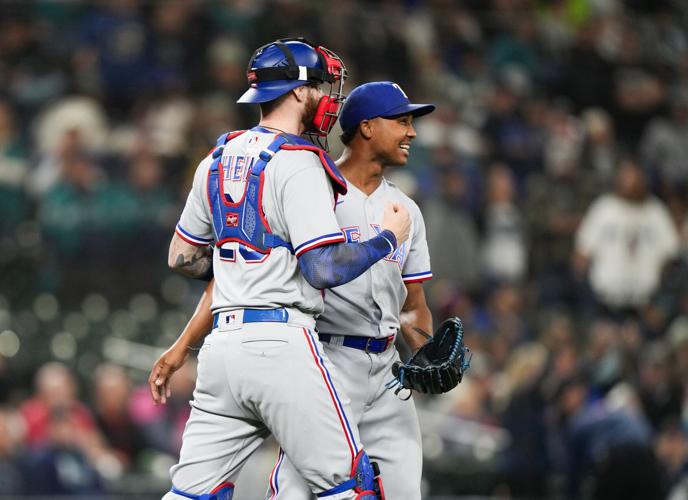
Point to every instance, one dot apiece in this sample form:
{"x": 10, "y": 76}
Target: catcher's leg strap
{"x": 365, "y": 480}
{"x": 223, "y": 491}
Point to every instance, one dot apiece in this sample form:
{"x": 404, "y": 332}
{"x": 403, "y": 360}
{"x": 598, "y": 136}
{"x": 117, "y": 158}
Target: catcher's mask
{"x": 283, "y": 65}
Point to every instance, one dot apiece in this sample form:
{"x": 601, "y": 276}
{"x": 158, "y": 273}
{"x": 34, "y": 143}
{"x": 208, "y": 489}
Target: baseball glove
{"x": 438, "y": 366}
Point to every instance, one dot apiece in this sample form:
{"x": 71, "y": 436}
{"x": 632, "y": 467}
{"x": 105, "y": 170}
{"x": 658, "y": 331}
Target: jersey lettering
{"x": 399, "y": 255}
{"x": 251, "y": 256}
{"x": 237, "y": 167}
{"x": 352, "y": 234}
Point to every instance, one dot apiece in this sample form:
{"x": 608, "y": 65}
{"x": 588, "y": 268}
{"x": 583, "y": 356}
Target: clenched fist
{"x": 396, "y": 218}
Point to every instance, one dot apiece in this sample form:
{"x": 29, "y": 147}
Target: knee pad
{"x": 224, "y": 491}
{"x": 365, "y": 480}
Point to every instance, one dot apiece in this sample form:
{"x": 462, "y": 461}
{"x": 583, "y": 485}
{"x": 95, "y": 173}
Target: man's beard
{"x": 309, "y": 113}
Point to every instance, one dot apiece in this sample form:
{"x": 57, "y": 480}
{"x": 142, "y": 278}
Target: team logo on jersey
{"x": 232, "y": 220}
{"x": 399, "y": 255}
{"x": 353, "y": 235}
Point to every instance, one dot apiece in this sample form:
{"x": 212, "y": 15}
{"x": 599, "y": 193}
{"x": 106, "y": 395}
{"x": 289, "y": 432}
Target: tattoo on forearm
{"x": 422, "y": 332}
{"x": 196, "y": 266}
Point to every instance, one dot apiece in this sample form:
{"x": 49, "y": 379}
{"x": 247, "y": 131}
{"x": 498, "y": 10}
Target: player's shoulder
{"x": 294, "y": 160}
{"x": 204, "y": 166}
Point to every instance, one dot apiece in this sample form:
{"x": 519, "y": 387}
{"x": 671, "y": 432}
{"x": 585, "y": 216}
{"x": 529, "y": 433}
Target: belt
{"x": 280, "y": 315}
{"x": 367, "y": 344}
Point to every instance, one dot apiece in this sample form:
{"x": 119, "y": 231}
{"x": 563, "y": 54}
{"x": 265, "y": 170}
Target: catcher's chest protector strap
{"x": 244, "y": 221}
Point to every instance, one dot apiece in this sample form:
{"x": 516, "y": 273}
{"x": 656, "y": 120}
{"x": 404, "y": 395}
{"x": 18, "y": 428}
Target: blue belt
{"x": 280, "y": 315}
{"x": 367, "y": 344}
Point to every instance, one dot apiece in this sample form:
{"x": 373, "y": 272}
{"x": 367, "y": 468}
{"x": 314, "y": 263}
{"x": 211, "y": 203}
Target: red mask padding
{"x": 333, "y": 64}
{"x": 326, "y": 115}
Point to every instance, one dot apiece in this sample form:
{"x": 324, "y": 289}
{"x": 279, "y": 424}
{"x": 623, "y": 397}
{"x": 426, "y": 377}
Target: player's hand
{"x": 168, "y": 363}
{"x": 396, "y": 218}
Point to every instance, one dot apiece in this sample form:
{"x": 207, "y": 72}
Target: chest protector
{"x": 244, "y": 221}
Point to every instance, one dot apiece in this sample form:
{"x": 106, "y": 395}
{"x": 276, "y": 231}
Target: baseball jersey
{"x": 298, "y": 201}
{"x": 369, "y": 305}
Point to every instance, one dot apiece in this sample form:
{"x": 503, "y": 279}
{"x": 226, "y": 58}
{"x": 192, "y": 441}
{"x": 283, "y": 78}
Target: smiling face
{"x": 391, "y": 139}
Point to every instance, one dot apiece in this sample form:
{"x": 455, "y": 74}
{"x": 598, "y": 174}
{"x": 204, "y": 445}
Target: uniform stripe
{"x": 273, "y": 475}
{"x": 416, "y": 277}
{"x": 319, "y": 241}
{"x": 333, "y": 393}
{"x": 190, "y": 238}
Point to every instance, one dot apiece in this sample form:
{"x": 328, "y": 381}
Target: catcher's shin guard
{"x": 365, "y": 480}
{"x": 223, "y": 491}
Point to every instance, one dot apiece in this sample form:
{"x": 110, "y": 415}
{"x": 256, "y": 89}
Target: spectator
{"x": 624, "y": 241}
{"x": 664, "y": 145}
{"x": 526, "y": 462}
{"x": 111, "y": 393}
{"x": 449, "y": 226}
{"x": 69, "y": 128}
{"x": 504, "y": 249}
{"x": 555, "y": 201}
{"x": 62, "y": 460}
{"x": 60, "y": 430}
{"x": 672, "y": 451}
{"x": 661, "y": 394}
{"x": 114, "y": 52}
{"x": 55, "y": 395}
{"x": 14, "y": 204}
{"x": 600, "y": 153}
{"x": 163, "y": 425}
{"x": 610, "y": 446}
{"x": 11, "y": 474}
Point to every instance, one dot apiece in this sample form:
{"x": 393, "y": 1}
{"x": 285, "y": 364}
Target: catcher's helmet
{"x": 283, "y": 65}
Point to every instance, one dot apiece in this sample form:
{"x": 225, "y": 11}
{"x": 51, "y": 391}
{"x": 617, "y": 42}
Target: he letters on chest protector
{"x": 237, "y": 168}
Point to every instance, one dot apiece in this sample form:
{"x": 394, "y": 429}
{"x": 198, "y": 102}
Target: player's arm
{"x": 335, "y": 264}
{"x": 189, "y": 253}
{"x": 173, "y": 358}
{"x": 415, "y": 316}
{"x": 191, "y": 260}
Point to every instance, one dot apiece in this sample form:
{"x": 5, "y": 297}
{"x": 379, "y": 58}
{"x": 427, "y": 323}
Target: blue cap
{"x": 378, "y": 99}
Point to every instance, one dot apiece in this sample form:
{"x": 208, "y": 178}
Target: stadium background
{"x": 107, "y": 106}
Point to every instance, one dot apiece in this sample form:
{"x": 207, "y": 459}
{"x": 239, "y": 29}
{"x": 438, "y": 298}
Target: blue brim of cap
{"x": 269, "y": 91}
{"x": 414, "y": 110}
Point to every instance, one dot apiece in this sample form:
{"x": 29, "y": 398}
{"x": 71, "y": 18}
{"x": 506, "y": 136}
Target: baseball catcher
{"x": 438, "y": 366}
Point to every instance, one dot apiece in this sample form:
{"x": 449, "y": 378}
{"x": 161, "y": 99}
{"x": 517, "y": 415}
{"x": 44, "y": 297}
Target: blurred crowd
{"x": 553, "y": 178}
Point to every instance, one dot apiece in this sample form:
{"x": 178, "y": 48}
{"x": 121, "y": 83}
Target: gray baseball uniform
{"x": 369, "y": 306}
{"x": 260, "y": 377}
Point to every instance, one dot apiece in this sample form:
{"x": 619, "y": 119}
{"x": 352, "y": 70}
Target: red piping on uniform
{"x": 417, "y": 280}
{"x": 220, "y": 486}
{"x": 334, "y": 401}
{"x": 194, "y": 243}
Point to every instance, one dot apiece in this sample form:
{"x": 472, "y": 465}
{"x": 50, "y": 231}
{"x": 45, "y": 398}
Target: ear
{"x": 366, "y": 128}
{"x": 301, "y": 93}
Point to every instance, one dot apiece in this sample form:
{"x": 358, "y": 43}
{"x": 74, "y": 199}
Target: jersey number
{"x": 249, "y": 256}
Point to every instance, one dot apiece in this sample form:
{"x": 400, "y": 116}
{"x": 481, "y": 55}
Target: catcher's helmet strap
{"x": 292, "y": 71}
{"x": 302, "y": 73}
